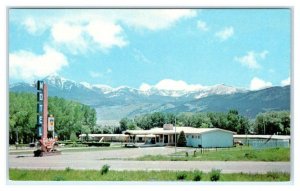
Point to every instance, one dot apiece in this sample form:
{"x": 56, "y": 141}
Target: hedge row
{"x": 97, "y": 144}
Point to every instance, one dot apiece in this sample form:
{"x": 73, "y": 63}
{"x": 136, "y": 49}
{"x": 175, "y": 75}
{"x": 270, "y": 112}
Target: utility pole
{"x": 264, "y": 126}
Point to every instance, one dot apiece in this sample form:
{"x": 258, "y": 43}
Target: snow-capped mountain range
{"x": 203, "y": 91}
{"x": 116, "y": 103}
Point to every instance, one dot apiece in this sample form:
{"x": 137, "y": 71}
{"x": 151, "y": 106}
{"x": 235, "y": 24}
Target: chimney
{"x": 168, "y": 127}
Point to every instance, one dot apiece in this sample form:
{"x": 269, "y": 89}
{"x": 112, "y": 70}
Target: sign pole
{"x": 45, "y": 112}
{"x": 44, "y": 123}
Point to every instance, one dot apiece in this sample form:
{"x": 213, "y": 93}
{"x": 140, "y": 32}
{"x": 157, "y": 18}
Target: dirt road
{"x": 96, "y": 159}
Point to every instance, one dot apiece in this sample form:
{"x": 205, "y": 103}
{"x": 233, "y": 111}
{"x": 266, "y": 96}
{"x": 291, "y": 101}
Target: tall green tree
{"x": 158, "y": 119}
{"x": 270, "y": 123}
{"x": 70, "y": 117}
{"x": 181, "y": 139}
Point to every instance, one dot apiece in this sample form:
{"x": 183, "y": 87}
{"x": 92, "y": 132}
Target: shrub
{"x": 215, "y": 174}
{"x": 181, "y": 140}
{"x": 97, "y": 144}
{"x": 104, "y": 169}
{"x": 197, "y": 175}
{"x": 73, "y": 137}
{"x": 181, "y": 176}
{"x": 58, "y": 178}
{"x": 68, "y": 169}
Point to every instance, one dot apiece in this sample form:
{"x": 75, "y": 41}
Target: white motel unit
{"x": 195, "y": 137}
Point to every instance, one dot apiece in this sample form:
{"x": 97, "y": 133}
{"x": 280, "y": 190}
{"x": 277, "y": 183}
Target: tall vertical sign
{"x": 40, "y": 97}
{"x": 43, "y": 122}
{"x": 42, "y": 109}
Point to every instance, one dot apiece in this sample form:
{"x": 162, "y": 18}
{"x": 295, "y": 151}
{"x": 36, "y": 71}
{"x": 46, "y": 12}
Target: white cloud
{"x": 257, "y": 84}
{"x": 81, "y": 30}
{"x": 26, "y": 66}
{"x": 225, "y": 33}
{"x": 202, "y": 25}
{"x": 106, "y": 34}
{"x": 169, "y": 84}
{"x": 34, "y": 26}
{"x": 78, "y": 37}
{"x": 286, "y": 82}
{"x": 152, "y": 19}
{"x": 145, "y": 87}
{"x": 70, "y": 36}
{"x": 31, "y": 25}
{"x": 251, "y": 59}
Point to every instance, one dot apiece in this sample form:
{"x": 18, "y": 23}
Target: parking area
{"x": 115, "y": 159}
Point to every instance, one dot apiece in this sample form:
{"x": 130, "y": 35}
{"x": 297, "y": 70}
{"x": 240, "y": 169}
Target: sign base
{"x": 41, "y": 153}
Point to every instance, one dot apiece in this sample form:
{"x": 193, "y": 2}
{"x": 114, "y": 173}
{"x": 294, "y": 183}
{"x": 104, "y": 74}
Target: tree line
{"x": 70, "y": 117}
{"x": 275, "y": 122}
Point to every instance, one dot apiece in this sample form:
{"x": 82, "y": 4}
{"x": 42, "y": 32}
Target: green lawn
{"x": 233, "y": 154}
{"x": 94, "y": 175}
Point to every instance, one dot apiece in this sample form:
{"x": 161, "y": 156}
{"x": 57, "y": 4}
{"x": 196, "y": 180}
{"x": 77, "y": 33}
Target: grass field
{"x": 233, "y": 154}
{"x": 94, "y": 175}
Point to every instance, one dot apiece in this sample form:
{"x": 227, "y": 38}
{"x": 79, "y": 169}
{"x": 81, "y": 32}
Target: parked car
{"x": 238, "y": 143}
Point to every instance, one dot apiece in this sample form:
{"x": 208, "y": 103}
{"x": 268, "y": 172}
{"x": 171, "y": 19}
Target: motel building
{"x": 195, "y": 137}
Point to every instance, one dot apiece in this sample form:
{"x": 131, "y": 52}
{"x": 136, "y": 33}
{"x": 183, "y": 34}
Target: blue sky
{"x": 144, "y": 48}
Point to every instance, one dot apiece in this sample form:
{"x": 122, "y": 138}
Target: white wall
{"x": 193, "y": 140}
{"x": 210, "y": 139}
{"x": 217, "y": 139}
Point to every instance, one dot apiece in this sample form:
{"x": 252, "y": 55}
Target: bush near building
{"x": 181, "y": 140}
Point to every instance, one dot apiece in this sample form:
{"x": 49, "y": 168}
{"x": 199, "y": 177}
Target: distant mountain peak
{"x": 122, "y": 87}
{"x": 86, "y": 84}
{"x": 103, "y": 88}
{"x": 55, "y": 77}
{"x": 61, "y": 82}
